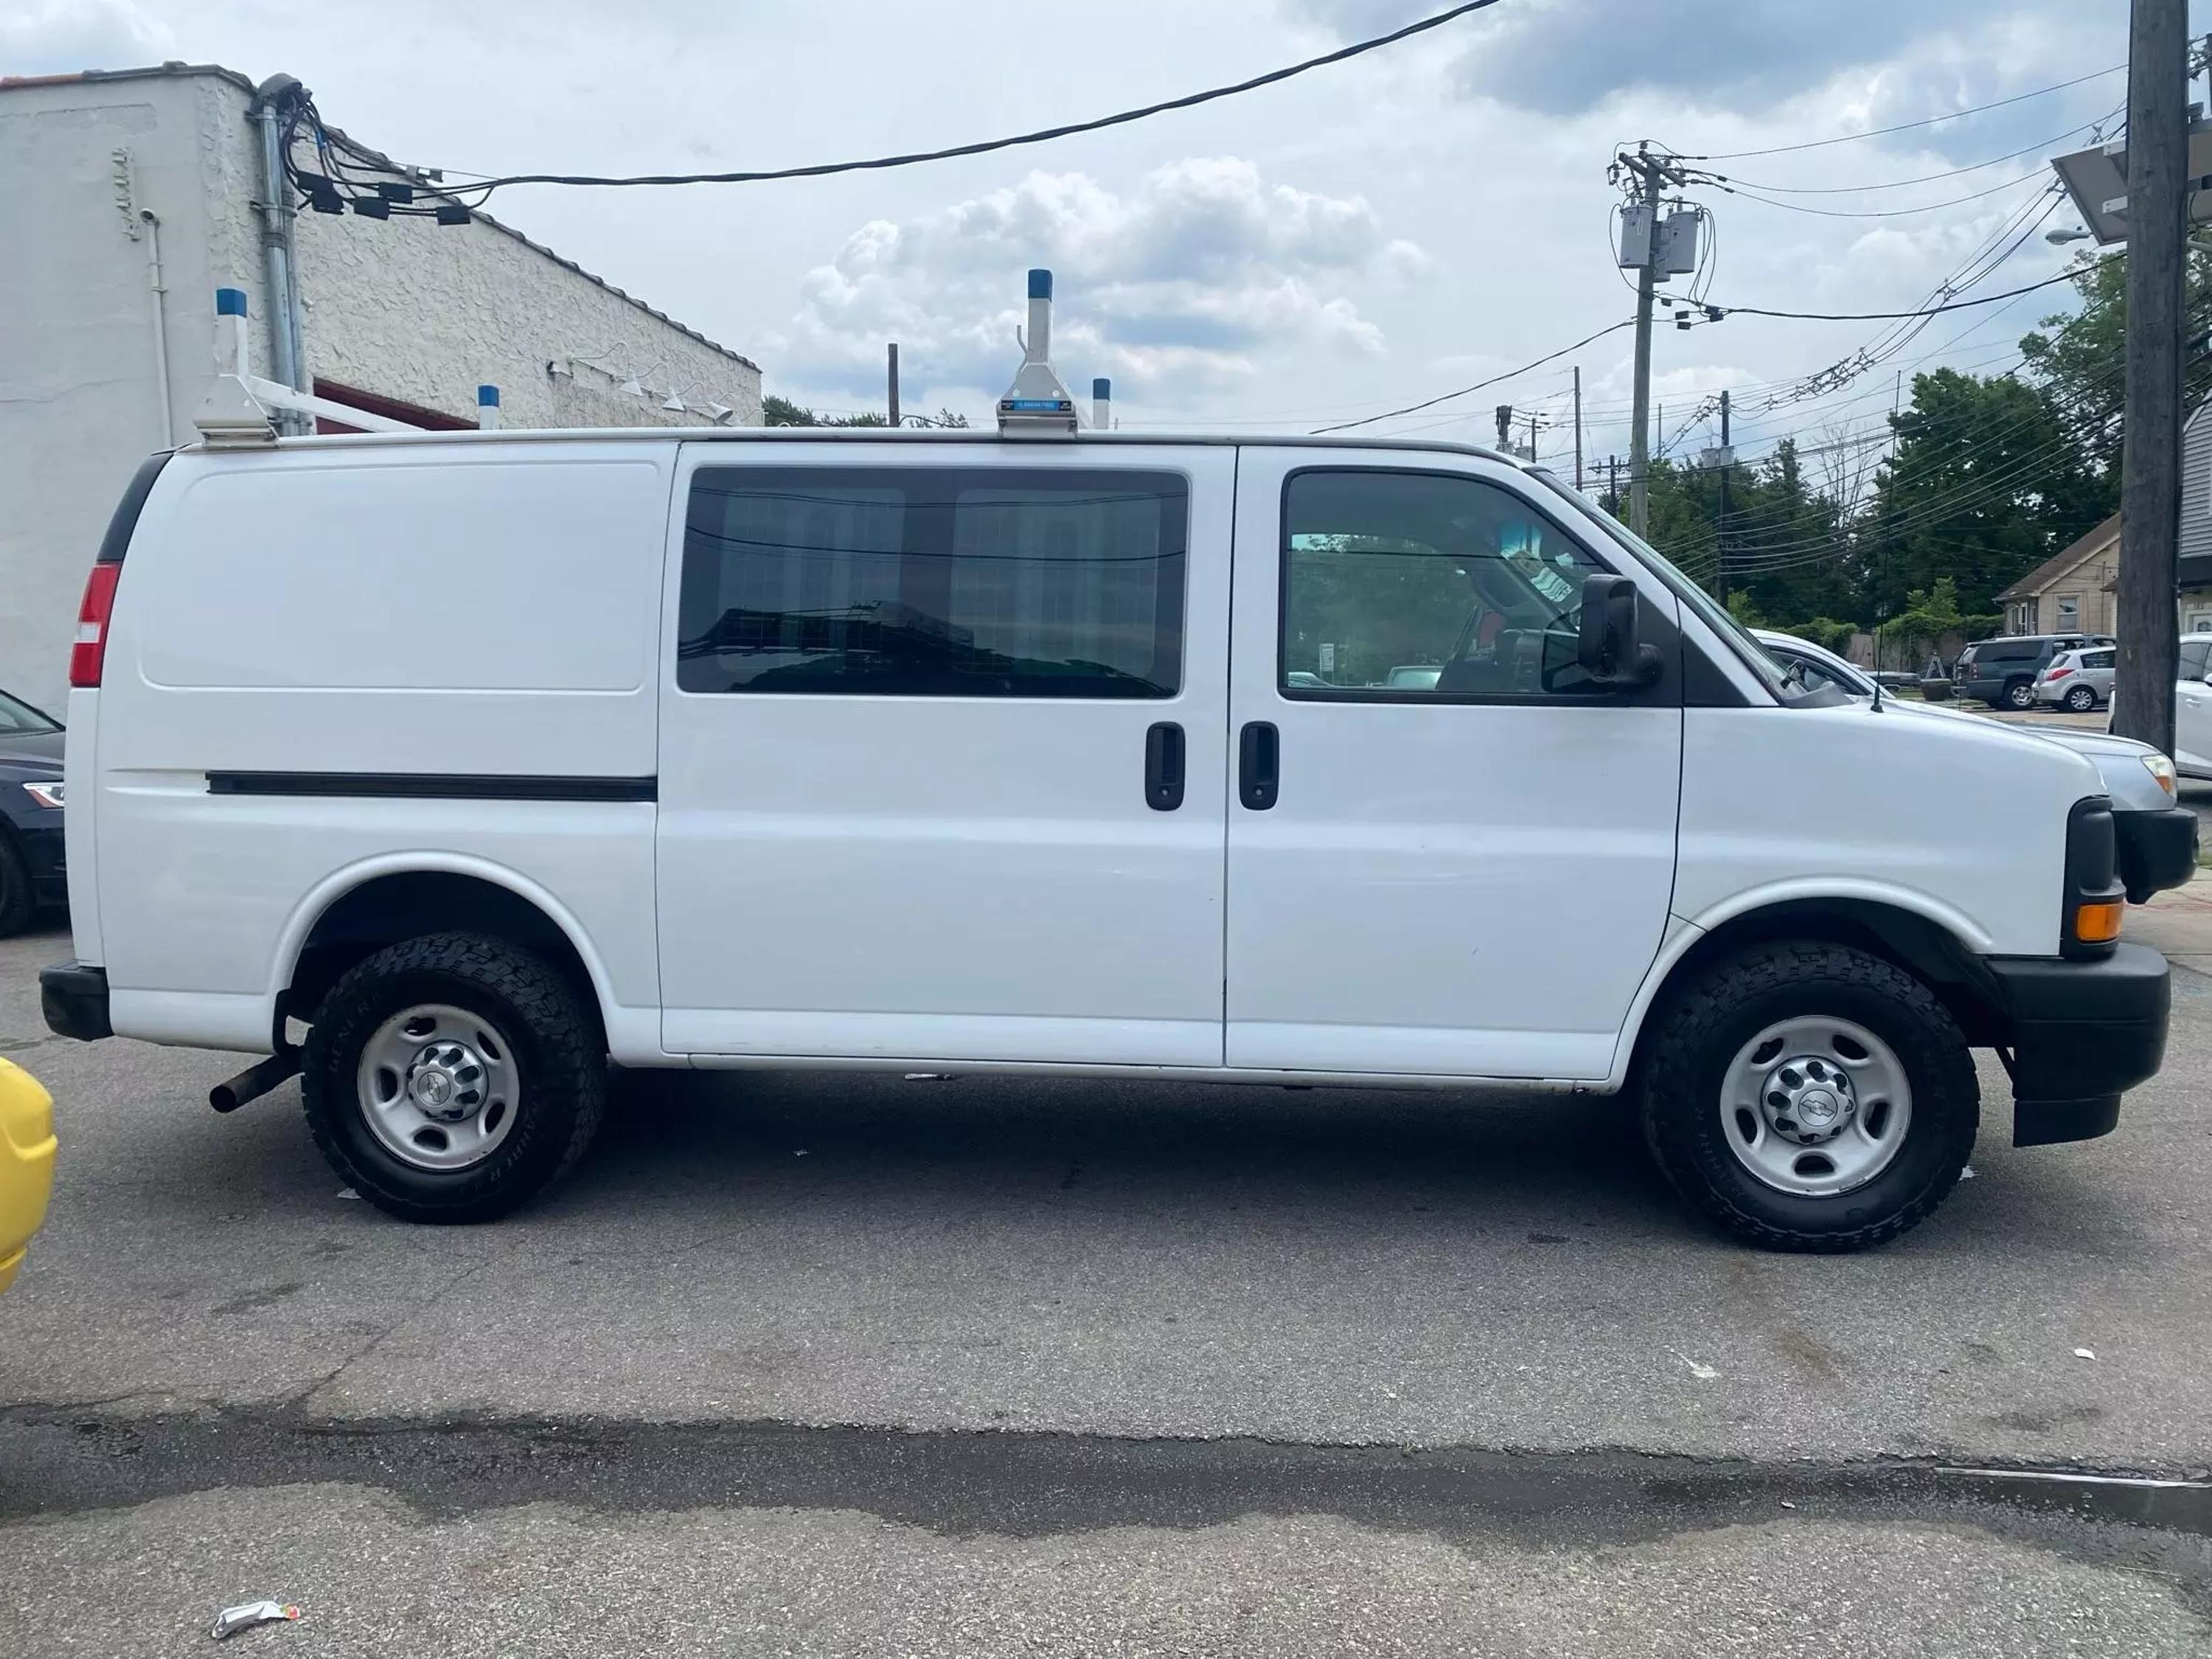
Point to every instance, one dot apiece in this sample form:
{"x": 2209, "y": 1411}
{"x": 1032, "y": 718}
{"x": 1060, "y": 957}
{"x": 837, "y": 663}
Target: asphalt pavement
{"x": 831, "y": 1364}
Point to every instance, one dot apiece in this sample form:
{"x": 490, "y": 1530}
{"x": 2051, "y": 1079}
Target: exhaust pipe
{"x": 256, "y": 1080}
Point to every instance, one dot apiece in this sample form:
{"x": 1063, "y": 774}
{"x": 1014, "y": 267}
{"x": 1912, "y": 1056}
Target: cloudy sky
{"x": 1365, "y": 236}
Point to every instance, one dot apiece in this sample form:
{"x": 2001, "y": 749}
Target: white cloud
{"x": 1197, "y": 274}
{"x": 59, "y": 36}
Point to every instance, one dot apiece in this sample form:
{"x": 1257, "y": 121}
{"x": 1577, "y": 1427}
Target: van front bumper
{"x": 73, "y": 997}
{"x": 2081, "y": 1033}
{"x": 2157, "y": 850}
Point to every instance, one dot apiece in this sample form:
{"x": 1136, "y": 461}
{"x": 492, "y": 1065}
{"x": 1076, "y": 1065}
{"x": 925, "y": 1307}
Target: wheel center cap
{"x": 432, "y": 1088}
{"x": 1808, "y": 1100}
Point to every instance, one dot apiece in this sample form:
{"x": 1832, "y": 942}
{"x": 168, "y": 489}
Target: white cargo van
{"x": 485, "y": 759}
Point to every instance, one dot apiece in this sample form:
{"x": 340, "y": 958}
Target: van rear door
{"x": 943, "y": 752}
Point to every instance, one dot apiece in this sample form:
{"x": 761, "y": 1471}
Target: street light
{"x": 2060, "y": 238}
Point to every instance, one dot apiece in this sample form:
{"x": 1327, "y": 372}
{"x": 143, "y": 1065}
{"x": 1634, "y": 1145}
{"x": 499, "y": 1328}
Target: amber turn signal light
{"x": 2097, "y": 923}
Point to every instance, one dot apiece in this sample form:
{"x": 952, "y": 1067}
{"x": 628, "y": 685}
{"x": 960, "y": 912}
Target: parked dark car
{"x": 33, "y": 873}
{"x": 2002, "y": 672}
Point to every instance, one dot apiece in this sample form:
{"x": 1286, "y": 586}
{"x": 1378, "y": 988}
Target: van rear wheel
{"x": 1811, "y": 1097}
{"x": 453, "y": 1078}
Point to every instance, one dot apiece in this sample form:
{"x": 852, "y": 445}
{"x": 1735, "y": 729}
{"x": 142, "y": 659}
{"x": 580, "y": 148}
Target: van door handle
{"x": 1257, "y": 765}
{"x": 1164, "y": 767}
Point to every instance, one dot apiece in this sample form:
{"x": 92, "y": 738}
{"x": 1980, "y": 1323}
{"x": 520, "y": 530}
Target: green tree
{"x": 1787, "y": 547}
{"x": 2076, "y": 357}
{"x": 1986, "y": 481}
{"x": 782, "y": 411}
{"x": 1931, "y": 612}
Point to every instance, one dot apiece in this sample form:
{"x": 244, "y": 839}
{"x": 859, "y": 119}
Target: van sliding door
{"x": 942, "y": 753}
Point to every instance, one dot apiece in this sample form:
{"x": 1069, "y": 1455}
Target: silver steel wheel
{"x": 439, "y": 1086}
{"x": 1816, "y": 1106}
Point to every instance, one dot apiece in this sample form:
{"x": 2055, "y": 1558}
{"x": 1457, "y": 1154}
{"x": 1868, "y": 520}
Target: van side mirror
{"x": 1609, "y": 649}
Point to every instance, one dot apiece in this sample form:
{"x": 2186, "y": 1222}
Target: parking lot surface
{"x": 1012, "y": 1364}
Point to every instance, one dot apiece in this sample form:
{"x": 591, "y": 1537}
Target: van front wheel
{"x": 452, "y": 1078}
{"x": 1811, "y": 1097}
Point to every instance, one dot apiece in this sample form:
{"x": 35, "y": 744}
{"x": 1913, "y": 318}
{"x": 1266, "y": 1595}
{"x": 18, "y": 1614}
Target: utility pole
{"x": 1532, "y": 435}
{"x": 1612, "y": 487}
{"x": 2150, "y": 456}
{"x": 1506, "y": 427}
{"x": 1650, "y": 173}
{"x": 1578, "y": 427}
{"x": 1889, "y": 525}
{"x": 1721, "y": 535}
{"x": 894, "y": 382}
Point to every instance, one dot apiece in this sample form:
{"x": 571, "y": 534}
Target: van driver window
{"x": 1412, "y": 585}
{"x": 933, "y": 582}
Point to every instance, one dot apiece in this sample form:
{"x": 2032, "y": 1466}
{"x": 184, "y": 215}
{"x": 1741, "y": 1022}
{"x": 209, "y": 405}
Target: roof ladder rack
{"x": 238, "y": 409}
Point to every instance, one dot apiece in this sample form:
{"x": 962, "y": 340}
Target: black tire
{"x": 1702, "y": 1031}
{"x": 2081, "y": 699}
{"x": 16, "y": 905}
{"x": 2019, "y": 695}
{"x": 559, "y": 1052}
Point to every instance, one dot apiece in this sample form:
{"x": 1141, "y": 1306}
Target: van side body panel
{"x": 1956, "y": 820}
{"x": 374, "y": 618}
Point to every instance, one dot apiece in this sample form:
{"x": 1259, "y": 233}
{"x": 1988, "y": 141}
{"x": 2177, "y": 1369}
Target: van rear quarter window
{"x": 492, "y": 575}
{"x": 933, "y": 581}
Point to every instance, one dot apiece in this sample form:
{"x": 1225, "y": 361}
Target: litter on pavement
{"x": 247, "y": 1614}
{"x": 2084, "y": 1353}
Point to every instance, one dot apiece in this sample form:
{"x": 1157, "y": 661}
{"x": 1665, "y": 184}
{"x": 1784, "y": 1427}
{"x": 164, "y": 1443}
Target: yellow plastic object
{"x": 26, "y": 1163}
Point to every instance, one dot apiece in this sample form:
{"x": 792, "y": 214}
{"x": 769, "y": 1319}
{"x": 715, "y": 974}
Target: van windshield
{"x": 1694, "y": 597}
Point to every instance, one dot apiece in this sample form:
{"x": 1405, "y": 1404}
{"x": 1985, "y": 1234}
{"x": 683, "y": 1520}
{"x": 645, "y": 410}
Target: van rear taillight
{"x": 89, "y": 653}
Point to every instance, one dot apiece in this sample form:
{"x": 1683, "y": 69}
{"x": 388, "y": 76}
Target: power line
{"x": 1962, "y": 496}
{"x": 2066, "y": 276}
{"x": 482, "y": 191}
{"x": 2037, "y": 147}
{"x": 1446, "y": 396}
{"x": 1878, "y": 213}
{"x": 1906, "y": 126}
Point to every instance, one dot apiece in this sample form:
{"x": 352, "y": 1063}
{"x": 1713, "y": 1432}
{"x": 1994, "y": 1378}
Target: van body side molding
{"x": 435, "y": 785}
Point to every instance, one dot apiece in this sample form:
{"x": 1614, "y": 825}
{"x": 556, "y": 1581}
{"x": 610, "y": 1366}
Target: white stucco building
{"x": 128, "y": 197}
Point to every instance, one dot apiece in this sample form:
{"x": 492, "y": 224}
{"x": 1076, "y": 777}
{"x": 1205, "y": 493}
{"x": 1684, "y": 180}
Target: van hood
{"x": 2028, "y": 741}
{"x": 2066, "y": 736}
{"x": 29, "y": 751}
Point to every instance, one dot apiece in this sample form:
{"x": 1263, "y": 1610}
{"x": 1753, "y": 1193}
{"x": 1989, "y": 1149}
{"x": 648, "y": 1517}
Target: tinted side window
{"x": 933, "y": 581}
{"x": 1418, "y": 584}
{"x": 2193, "y": 654}
{"x": 2098, "y": 659}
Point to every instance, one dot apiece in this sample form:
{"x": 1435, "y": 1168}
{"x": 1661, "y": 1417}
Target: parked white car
{"x": 2192, "y": 707}
{"x": 492, "y": 756}
{"x": 2077, "y": 681}
{"x": 2157, "y": 839}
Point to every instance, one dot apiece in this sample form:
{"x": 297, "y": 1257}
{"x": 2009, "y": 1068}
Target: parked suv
{"x": 2002, "y": 672}
{"x": 2078, "y": 680}
{"x": 952, "y": 752}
